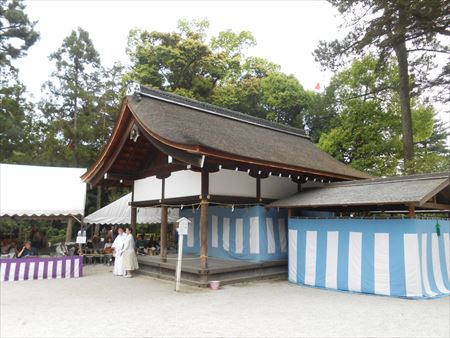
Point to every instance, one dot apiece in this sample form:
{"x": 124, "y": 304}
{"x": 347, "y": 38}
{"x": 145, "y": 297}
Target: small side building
{"x": 396, "y": 256}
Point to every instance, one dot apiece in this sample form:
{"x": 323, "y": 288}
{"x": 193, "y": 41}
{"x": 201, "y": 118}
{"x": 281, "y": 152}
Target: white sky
{"x": 287, "y": 32}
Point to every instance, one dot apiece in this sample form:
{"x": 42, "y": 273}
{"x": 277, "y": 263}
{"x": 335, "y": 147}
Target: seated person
{"x": 107, "y": 249}
{"x": 27, "y": 251}
{"x": 96, "y": 244}
{"x": 5, "y": 247}
{"x": 89, "y": 244}
{"x": 75, "y": 250}
{"x": 139, "y": 241}
{"x": 12, "y": 253}
{"x": 61, "y": 249}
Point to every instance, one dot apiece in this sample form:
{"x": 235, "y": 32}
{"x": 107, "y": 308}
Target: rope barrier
{"x": 229, "y": 205}
{"x": 215, "y": 258}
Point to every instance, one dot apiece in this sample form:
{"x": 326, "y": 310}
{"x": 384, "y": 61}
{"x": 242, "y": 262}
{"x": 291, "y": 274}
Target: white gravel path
{"x": 101, "y": 305}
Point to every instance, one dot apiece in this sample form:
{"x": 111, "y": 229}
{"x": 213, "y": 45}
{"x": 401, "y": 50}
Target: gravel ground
{"x": 103, "y": 305}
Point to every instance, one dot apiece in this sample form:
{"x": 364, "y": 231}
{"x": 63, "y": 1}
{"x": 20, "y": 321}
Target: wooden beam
{"x": 168, "y": 149}
{"x": 117, "y": 177}
{"x": 163, "y": 242}
{"x": 238, "y": 199}
{"x": 435, "y": 191}
{"x": 114, "y": 152}
{"x": 195, "y": 199}
{"x": 204, "y": 234}
{"x": 167, "y": 201}
{"x": 438, "y": 206}
{"x": 218, "y": 156}
{"x": 95, "y": 173}
{"x": 162, "y": 169}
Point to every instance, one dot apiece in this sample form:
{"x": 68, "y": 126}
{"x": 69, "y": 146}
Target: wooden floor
{"x": 224, "y": 270}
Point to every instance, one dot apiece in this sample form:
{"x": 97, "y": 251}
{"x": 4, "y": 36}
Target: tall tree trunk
{"x": 404, "y": 92}
{"x": 75, "y": 116}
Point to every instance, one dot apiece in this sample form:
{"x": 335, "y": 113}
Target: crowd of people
{"x": 37, "y": 240}
{"x": 117, "y": 242}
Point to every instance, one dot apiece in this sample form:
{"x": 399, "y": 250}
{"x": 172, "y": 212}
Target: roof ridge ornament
{"x": 134, "y": 88}
{"x": 134, "y": 133}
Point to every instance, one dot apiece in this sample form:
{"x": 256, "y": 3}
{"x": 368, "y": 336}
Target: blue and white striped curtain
{"x": 252, "y": 233}
{"x": 405, "y": 258}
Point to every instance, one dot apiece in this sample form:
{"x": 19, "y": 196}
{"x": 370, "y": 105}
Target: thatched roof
{"x": 185, "y": 122}
{"x": 401, "y": 190}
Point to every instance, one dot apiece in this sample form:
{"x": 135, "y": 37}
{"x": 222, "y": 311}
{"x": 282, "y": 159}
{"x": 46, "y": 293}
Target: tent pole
{"x": 69, "y": 229}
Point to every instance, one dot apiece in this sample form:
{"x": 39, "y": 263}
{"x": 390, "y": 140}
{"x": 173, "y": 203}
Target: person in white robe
{"x": 61, "y": 249}
{"x": 130, "y": 262}
{"x": 118, "y": 246}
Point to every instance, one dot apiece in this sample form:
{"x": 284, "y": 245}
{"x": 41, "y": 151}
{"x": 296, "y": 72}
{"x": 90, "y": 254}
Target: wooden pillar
{"x": 258, "y": 189}
{"x": 163, "y": 242}
{"x": 204, "y": 234}
{"x": 204, "y": 221}
{"x": 290, "y": 212}
{"x": 412, "y": 211}
{"x": 69, "y": 229}
{"x": 133, "y": 220}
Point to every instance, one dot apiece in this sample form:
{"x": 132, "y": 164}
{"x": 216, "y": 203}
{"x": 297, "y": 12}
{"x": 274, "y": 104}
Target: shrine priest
{"x": 118, "y": 246}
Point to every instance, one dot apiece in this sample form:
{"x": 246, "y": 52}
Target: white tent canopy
{"x": 119, "y": 212}
{"x": 41, "y": 191}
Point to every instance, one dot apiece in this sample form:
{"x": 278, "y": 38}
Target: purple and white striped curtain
{"x": 17, "y": 269}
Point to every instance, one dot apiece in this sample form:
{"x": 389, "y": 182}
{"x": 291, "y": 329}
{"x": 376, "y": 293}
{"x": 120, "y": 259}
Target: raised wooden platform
{"x": 225, "y": 271}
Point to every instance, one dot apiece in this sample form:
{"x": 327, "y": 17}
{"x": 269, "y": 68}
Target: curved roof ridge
{"x": 219, "y": 111}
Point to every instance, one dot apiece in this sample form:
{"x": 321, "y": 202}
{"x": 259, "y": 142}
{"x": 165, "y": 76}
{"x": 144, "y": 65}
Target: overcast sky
{"x": 287, "y": 32}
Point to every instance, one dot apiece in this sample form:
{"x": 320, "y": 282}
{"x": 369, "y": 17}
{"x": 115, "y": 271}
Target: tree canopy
{"x": 17, "y": 32}
{"x": 408, "y": 29}
{"x": 17, "y": 35}
{"x": 365, "y": 131}
{"x": 216, "y": 71}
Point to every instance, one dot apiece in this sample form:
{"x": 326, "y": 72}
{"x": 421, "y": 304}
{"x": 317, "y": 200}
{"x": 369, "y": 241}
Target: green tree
{"x": 408, "y": 29}
{"x": 180, "y": 62}
{"x": 366, "y": 129}
{"x": 17, "y": 135}
{"x": 216, "y": 71}
{"x": 17, "y": 35}
{"x": 366, "y": 137}
{"x": 320, "y": 112}
{"x": 284, "y": 99}
{"x": 17, "y": 32}
{"x": 71, "y": 105}
{"x": 432, "y": 152}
